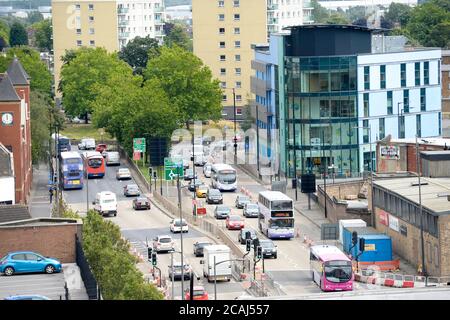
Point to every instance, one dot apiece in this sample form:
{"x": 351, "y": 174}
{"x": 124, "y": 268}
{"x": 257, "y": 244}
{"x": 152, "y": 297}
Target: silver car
{"x": 131, "y": 190}
{"x": 251, "y": 210}
{"x": 207, "y": 170}
{"x": 123, "y": 173}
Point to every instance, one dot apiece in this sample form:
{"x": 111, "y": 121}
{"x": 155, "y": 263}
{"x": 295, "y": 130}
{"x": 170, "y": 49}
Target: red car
{"x": 199, "y": 293}
{"x": 101, "y": 147}
{"x": 234, "y": 222}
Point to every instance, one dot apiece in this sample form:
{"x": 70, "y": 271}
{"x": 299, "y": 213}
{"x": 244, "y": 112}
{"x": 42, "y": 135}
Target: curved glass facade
{"x": 321, "y": 115}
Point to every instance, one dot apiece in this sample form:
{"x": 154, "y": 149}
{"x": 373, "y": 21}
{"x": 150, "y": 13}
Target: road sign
{"x": 139, "y": 144}
{"x": 136, "y": 155}
{"x": 172, "y": 168}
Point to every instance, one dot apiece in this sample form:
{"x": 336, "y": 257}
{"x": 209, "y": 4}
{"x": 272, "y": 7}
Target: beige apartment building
{"x": 83, "y": 23}
{"x": 445, "y": 93}
{"x": 223, "y": 32}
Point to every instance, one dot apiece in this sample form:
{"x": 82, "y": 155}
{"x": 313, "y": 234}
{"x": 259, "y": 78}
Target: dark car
{"x": 131, "y": 190}
{"x": 141, "y": 203}
{"x": 193, "y": 186}
{"x": 189, "y": 174}
{"x": 177, "y": 271}
{"x": 198, "y": 248}
{"x": 269, "y": 248}
{"x": 222, "y": 212}
{"x": 214, "y": 196}
{"x": 241, "y": 236}
{"x": 251, "y": 210}
{"x": 241, "y": 200}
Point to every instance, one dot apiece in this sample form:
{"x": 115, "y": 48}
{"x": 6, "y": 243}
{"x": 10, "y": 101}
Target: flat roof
{"x": 433, "y": 194}
{"x": 333, "y": 26}
{"x": 438, "y": 141}
{"x": 274, "y": 195}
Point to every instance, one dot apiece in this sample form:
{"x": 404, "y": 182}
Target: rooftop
{"x": 7, "y": 91}
{"x": 434, "y": 193}
{"x": 13, "y": 213}
{"x": 17, "y": 73}
{"x": 333, "y": 26}
{"x": 437, "y": 141}
{"x": 36, "y": 221}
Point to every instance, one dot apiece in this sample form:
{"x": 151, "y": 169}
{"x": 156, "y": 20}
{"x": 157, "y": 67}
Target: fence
{"x": 388, "y": 279}
{"x": 85, "y": 270}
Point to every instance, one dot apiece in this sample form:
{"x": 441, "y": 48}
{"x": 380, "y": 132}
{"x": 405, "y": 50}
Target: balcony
{"x": 308, "y": 5}
{"x": 123, "y": 23}
{"x": 272, "y": 6}
{"x": 272, "y": 21}
{"x": 122, "y": 11}
{"x": 124, "y": 35}
{"x": 159, "y": 22}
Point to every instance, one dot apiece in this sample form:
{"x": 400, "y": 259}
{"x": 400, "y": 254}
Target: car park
{"x": 242, "y": 235}
{"x": 189, "y": 175}
{"x": 234, "y": 222}
{"x": 123, "y": 174}
{"x": 178, "y": 225}
{"x": 269, "y": 248}
{"x": 251, "y": 210}
{"x": 131, "y": 190}
{"x": 177, "y": 270}
{"x": 163, "y": 243}
{"x": 198, "y": 248}
{"x": 222, "y": 212}
{"x": 28, "y": 262}
{"x": 241, "y": 200}
{"x": 201, "y": 191}
{"x": 194, "y": 184}
{"x": 112, "y": 158}
{"x": 214, "y": 196}
{"x": 141, "y": 203}
{"x": 199, "y": 293}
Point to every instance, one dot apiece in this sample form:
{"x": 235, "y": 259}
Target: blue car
{"x": 27, "y": 261}
{"x": 27, "y": 297}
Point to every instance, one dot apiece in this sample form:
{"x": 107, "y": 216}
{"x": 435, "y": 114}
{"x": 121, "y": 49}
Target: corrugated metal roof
{"x": 7, "y": 91}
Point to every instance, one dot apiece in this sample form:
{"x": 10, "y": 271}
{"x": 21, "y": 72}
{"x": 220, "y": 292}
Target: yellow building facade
{"x": 82, "y": 23}
{"x": 223, "y": 33}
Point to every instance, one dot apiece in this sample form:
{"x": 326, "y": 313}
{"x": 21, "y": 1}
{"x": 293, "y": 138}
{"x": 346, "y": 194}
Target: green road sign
{"x": 172, "y": 168}
{"x": 139, "y": 144}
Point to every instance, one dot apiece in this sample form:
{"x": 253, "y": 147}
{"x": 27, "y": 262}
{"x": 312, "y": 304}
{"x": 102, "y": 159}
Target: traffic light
{"x": 154, "y": 262}
{"x": 248, "y": 235}
{"x": 150, "y": 172}
{"x": 354, "y": 238}
{"x": 259, "y": 252}
{"x": 248, "y": 244}
{"x": 255, "y": 243}
{"x": 362, "y": 244}
{"x": 149, "y": 252}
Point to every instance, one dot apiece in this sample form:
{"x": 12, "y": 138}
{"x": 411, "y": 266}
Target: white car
{"x": 178, "y": 225}
{"x": 207, "y": 170}
{"x": 123, "y": 173}
{"x": 163, "y": 243}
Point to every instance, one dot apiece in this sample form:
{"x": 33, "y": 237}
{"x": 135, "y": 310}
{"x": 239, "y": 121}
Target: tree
{"x": 337, "y": 18}
{"x": 136, "y": 53}
{"x": 360, "y": 22}
{"x": 356, "y": 13}
{"x": 440, "y": 35}
{"x": 89, "y": 68}
{"x": 188, "y": 83}
{"x": 18, "y": 35}
{"x": 319, "y": 13}
{"x": 43, "y": 34}
{"x": 398, "y": 13}
{"x": 34, "y": 16}
{"x": 178, "y": 36}
{"x": 4, "y": 35}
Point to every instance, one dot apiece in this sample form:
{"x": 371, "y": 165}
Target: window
{"x": 221, "y": 17}
{"x": 224, "y": 97}
{"x": 366, "y": 104}
{"x": 222, "y": 57}
{"x": 402, "y": 127}
{"x": 237, "y": 57}
{"x": 238, "y": 97}
{"x": 237, "y": 71}
{"x": 237, "y": 17}
{"x": 91, "y": 19}
{"x": 221, "y": 3}
{"x": 236, "y": 3}
{"x": 406, "y": 101}
{"x": 419, "y": 125}
{"x": 78, "y": 31}
{"x": 79, "y": 43}
{"x": 426, "y": 72}
{"x": 223, "y": 71}
{"x": 91, "y": 7}
{"x": 403, "y": 74}
{"x": 222, "y": 44}
{"x": 366, "y": 78}
{"x": 19, "y": 256}
{"x": 237, "y": 44}
{"x": 223, "y": 84}
{"x": 237, "y": 30}
{"x": 222, "y": 30}
{"x": 239, "y": 111}
{"x": 77, "y": 6}
{"x": 389, "y": 102}
{"x": 381, "y": 128}
{"x": 365, "y": 131}
{"x": 383, "y": 77}
{"x": 423, "y": 99}
{"x": 91, "y": 31}
{"x": 92, "y": 42}
{"x": 417, "y": 73}
{"x": 32, "y": 257}
{"x": 238, "y": 84}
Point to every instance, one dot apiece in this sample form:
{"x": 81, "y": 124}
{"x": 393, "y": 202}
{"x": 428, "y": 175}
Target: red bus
{"x": 94, "y": 164}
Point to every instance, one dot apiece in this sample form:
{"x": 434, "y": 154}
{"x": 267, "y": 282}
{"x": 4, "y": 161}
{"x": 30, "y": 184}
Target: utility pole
{"x": 234, "y": 139}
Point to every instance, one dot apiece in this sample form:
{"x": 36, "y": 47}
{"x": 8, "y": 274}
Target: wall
{"x": 444, "y": 244}
{"x": 57, "y": 241}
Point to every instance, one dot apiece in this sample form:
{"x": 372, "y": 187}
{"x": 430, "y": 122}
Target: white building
{"x": 140, "y": 18}
{"x": 285, "y": 13}
{"x": 346, "y": 4}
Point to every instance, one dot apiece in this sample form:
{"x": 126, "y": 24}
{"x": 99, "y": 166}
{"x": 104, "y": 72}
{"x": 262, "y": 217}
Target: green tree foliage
{"x": 4, "y": 35}
{"x": 178, "y": 36}
{"x": 89, "y": 68}
{"x": 398, "y": 13}
{"x": 188, "y": 83}
{"x": 41, "y": 79}
{"x": 34, "y": 16}
{"x": 319, "y": 13}
{"x": 337, "y": 18}
{"x": 43, "y": 35}
{"x": 137, "y": 52}
{"x": 356, "y": 13}
{"x": 18, "y": 35}
{"x": 112, "y": 264}
{"x": 40, "y": 132}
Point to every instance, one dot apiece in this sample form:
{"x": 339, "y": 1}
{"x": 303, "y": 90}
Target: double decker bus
{"x": 223, "y": 177}
{"x": 331, "y": 268}
{"x": 276, "y": 215}
{"x": 71, "y": 170}
{"x": 94, "y": 164}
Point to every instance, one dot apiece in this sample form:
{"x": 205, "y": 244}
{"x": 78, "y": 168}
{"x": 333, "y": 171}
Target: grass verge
{"x": 80, "y": 131}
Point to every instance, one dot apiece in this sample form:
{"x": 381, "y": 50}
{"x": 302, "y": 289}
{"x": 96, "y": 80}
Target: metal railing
{"x": 89, "y": 280}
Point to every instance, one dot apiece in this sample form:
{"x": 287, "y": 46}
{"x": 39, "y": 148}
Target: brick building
{"x": 445, "y": 70}
{"x": 15, "y": 130}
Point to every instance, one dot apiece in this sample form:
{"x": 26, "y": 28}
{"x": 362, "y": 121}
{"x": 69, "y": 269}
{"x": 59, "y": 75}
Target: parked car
{"x": 234, "y": 222}
{"x": 28, "y": 261}
{"x": 251, "y": 210}
{"x": 222, "y": 212}
{"x": 176, "y": 271}
{"x": 198, "y": 294}
{"x": 189, "y": 175}
{"x": 214, "y": 196}
{"x": 87, "y": 144}
{"x": 207, "y": 170}
{"x": 30, "y": 297}
{"x": 269, "y": 248}
{"x": 195, "y": 185}
{"x": 101, "y": 147}
{"x": 241, "y": 200}
{"x": 241, "y": 236}
{"x": 178, "y": 225}
{"x": 112, "y": 158}
{"x": 76, "y": 120}
{"x": 198, "y": 248}
{"x": 201, "y": 191}
{"x": 131, "y": 190}
{"x": 123, "y": 173}
{"x": 141, "y": 203}
{"x": 163, "y": 243}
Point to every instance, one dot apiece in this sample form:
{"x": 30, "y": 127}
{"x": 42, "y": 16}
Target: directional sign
{"x": 139, "y": 144}
{"x": 172, "y": 168}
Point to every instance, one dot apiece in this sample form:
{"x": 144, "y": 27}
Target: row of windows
{"x": 91, "y": 31}
{"x": 80, "y": 43}
{"x": 237, "y": 71}
{"x": 238, "y": 84}
{"x": 236, "y": 17}
{"x": 237, "y": 57}
{"x": 221, "y": 3}
{"x": 90, "y": 6}
{"x": 237, "y": 30}
{"x": 238, "y": 98}
{"x": 405, "y": 210}
{"x": 237, "y": 44}
{"x": 157, "y": 17}
{"x": 382, "y": 128}
{"x": 405, "y": 103}
{"x": 157, "y": 5}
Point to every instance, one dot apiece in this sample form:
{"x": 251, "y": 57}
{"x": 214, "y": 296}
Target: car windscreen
{"x": 266, "y": 244}
{"x": 223, "y": 209}
{"x": 202, "y": 245}
{"x": 178, "y": 223}
{"x": 4, "y": 258}
{"x": 199, "y": 293}
{"x": 235, "y": 218}
{"x": 124, "y": 171}
{"x": 133, "y": 187}
{"x": 252, "y": 206}
{"x": 108, "y": 200}
{"x": 164, "y": 240}
{"x": 243, "y": 199}
{"x": 214, "y": 192}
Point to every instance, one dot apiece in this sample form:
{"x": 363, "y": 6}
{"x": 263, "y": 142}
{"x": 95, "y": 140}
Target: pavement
{"x": 40, "y": 206}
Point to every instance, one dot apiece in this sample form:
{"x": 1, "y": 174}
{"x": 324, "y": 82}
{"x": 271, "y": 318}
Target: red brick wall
{"x": 56, "y": 241}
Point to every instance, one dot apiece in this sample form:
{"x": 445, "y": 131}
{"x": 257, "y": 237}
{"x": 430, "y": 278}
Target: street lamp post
{"x": 420, "y": 209}
{"x": 87, "y": 185}
{"x": 234, "y": 139}
{"x": 215, "y": 280}
{"x": 181, "y": 233}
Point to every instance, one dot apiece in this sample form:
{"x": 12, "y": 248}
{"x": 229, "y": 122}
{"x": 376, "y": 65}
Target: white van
{"x": 105, "y": 203}
{"x": 217, "y": 253}
{"x": 87, "y": 144}
{"x": 112, "y": 158}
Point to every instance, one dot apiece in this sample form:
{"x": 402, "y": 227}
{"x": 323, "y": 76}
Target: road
{"x": 142, "y": 226}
